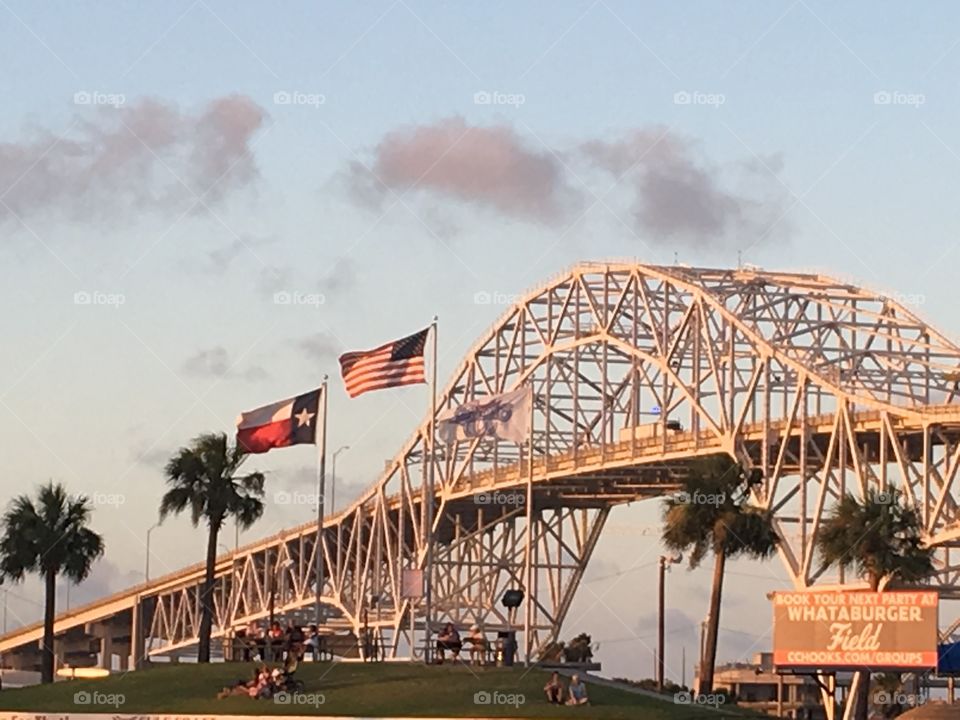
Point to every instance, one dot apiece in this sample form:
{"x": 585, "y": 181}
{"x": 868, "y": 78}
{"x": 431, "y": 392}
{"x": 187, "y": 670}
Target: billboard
{"x": 834, "y": 629}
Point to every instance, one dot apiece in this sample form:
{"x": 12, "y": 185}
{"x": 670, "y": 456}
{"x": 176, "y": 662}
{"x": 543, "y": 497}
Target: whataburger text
{"x": 843, "y": 629}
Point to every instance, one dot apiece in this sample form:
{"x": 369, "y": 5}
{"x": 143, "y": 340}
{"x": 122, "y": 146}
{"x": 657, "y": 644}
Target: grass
{"x": 378, "y": 690}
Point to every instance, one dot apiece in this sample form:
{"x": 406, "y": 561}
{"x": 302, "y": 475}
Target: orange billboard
{"x": 833, "y": 629}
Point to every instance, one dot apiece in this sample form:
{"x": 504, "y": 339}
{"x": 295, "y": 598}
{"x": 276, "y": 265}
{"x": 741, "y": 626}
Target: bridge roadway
{"x": 589, "y": 477}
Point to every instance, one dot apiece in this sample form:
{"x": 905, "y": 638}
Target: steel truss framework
{"x": 825, "y": 387}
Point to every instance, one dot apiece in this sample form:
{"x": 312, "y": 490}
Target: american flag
{"x": 397, "y": 363}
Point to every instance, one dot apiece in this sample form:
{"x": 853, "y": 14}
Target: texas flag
{"x": 289, "y": 422}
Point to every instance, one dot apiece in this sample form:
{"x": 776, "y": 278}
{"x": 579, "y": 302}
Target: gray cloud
{"x": 104, "y": 579}
{"x": 215, "y": 362}
{"x": 341, "y": 277}
{"x": 680, "y": 197}
{"x": 147, "y": 155}
{"x": 677, "y": 196}
{"x": 320, "y": 346}
{"x": 486, "y": 166}
{"x": 152, "y": 456}
{"x": 220, "y": 259}
{"x": 274, "y": 278}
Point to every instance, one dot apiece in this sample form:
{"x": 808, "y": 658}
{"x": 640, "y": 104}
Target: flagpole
{"x": 321, "y": 483}
{"x": 428, "y": 508}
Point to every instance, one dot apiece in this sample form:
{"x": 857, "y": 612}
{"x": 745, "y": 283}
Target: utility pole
{"x": 660, "y": 596}
{"x": 683, "y": 664}
{"x": 664, "y": 561}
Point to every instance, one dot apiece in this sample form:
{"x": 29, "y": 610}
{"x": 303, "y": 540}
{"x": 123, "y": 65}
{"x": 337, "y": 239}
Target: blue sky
{"x": 843, "y": 116}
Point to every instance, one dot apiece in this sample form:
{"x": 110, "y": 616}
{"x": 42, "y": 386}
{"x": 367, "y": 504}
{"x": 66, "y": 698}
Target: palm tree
{"x": 48, "y": 536}
{"x": 887, "y": 694}
{"x": 204, "y": 477}
{"x": 712, "y": 515}
{"x": 880, "y": 539}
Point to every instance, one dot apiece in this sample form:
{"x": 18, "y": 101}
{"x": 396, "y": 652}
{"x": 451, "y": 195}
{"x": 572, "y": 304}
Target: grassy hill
{"x": 342, "y": 689}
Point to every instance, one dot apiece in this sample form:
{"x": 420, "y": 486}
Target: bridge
{"x": 636, "y": 369}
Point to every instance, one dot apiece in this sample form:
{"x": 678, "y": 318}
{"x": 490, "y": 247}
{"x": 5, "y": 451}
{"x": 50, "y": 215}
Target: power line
{"x": 621, "y": 572}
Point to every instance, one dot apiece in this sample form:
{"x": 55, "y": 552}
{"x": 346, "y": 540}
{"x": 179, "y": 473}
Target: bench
{"x": 581, "y": 666}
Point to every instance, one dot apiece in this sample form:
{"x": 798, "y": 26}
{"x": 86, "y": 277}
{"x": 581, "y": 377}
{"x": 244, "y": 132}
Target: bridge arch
{"x": 636, "y": 369}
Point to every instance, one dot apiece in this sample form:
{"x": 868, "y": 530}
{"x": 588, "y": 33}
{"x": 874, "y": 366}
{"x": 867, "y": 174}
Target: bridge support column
{"x": 106, "y": 652}
{"x": 136, "y": 659}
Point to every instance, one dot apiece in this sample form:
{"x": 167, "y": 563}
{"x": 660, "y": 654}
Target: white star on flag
{"x": 304, "y": 417}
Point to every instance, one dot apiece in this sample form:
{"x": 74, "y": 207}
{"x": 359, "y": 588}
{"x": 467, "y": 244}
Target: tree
{"x": 887, "y": 697}
{"x": 880, "y": 539}
{"x": 713, "y": 515}
{"x": 48, "y": 536}
{"x": 204, "y": 477}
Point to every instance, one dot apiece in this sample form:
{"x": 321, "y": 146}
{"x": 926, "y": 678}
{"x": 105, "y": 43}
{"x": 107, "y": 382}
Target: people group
{"x": 274, "y": 642}
{"x": 264, "y": 683}
{"x": 575, "y": 692}
{"x": 448, "y": 639}
{"x": 271, "y": 643}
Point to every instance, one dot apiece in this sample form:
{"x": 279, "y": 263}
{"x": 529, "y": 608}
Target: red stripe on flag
{"x": 364, "y": 374}
{"x": 380, "y": 381}
{"x": 391, "y": 365}
{"x": 261, "y": 438}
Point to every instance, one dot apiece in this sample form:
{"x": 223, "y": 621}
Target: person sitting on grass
{"x": 448, "y": 639}
{"x": 239, "y": 688}
{"x": 577, "y": 692}
{"x": 554, "y": 689}
{"x": 263, "y": 687}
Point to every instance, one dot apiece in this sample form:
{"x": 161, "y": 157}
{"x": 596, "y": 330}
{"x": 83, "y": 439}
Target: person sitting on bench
{"x": 478, "y": 645}
{"x": 448, "y": 639}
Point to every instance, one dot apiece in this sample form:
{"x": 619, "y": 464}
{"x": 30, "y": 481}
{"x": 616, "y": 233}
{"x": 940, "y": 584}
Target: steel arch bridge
{"x": 636, "y": 369}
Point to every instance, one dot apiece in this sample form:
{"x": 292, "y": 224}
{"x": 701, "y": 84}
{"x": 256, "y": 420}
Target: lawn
{"x": 391, "y": 689}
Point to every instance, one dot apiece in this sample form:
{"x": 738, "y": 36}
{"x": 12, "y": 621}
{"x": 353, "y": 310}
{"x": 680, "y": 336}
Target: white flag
{"x": 505, "y": 416}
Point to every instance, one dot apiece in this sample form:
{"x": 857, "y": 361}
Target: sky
{"x": 203, "y": 203}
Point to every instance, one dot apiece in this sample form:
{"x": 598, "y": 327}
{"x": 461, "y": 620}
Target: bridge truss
{"x": 825, "y": 387}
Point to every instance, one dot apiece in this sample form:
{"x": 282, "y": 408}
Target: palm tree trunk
{"x": 206, "y": 597}
{"x": 709, "y": 658}
{"x": 863, "y": 690}
{"x": 49, "y": 612}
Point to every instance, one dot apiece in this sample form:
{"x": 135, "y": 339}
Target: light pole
{"x": 146, "y": 565}
{"x": 333, "y": 479}
{"x": 664, "y": 561}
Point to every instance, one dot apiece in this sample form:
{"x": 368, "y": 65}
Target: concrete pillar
{"x": 106, "y": 651}
{"x": 59, "y": 650}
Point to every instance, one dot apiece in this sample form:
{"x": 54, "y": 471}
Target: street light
{"x": 333, "y": 479}
{"x": 146, "y": 565}
{"x": 664, "y": 561}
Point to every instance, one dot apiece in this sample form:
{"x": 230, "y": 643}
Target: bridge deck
{"x": 651, "y": 464}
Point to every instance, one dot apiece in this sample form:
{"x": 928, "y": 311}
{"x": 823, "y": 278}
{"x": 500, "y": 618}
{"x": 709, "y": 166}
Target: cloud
{"x": 152, "y": 456}
{"x": 274, "y": 278}
{"x": 215, "y": 363}
{"x": 680, "y": 197}
{"x": 320, "y": 347}
{"x": 341, "y": 276}
{"x": 147, "y": 155}
{"x": 674, "y": 194}
{"x": 104, "y": 579}
{"x": 220, "y": 259}
{"x": 486, "y": 166}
